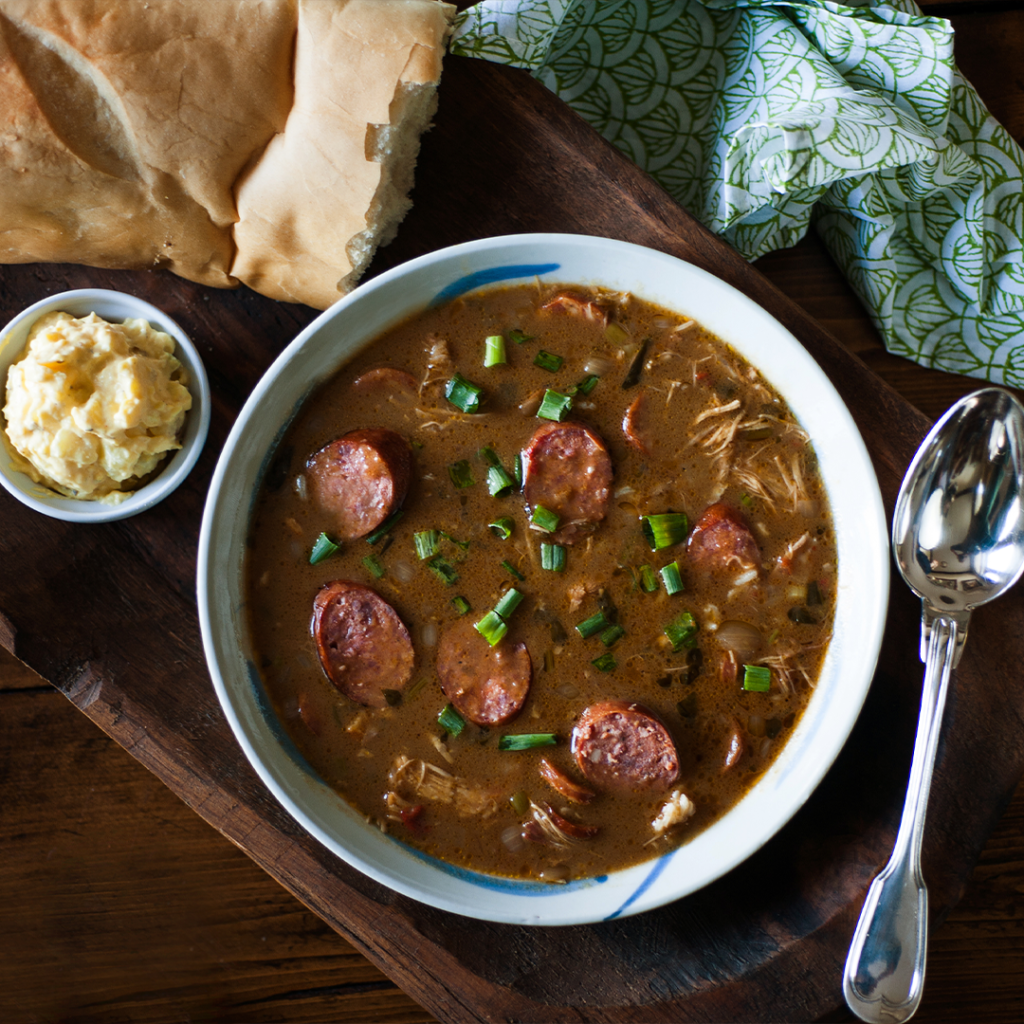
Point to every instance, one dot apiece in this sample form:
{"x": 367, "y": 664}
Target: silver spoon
{"x": 958, "y": 540}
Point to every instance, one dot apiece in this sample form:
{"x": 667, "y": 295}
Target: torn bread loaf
{"x": 270, "y": 143}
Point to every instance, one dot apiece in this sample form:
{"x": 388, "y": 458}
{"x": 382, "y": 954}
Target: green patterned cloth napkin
{"x": 761, "y": 116}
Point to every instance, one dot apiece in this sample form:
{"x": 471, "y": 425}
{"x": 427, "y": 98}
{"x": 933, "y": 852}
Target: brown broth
{"x": 715, "y": 431}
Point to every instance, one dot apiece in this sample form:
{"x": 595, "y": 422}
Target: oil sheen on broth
{"x": 699, "y": 655}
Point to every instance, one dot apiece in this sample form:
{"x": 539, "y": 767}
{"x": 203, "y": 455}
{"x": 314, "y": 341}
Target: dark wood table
{"x": 119, "y": 903}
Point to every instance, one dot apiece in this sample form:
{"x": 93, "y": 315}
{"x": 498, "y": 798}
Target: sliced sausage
{"x": 361, "y": 478}
{"x": 486, "y": 685}
{"x": 364, "y": 646}
{"x": 567, "y": 469}
{"x": 722, "y": 542}
{"x": 386, "y": 378}
{"x": 566, "y": 303}
{"x": 622, "y": 746}
{"x": 561, "y": 783}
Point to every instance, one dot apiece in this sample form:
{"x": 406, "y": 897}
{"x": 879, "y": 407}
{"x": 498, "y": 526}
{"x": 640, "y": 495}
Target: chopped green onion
{"x": 519, "y": 337}
{"x": 428, "y": 543}
{"x": 517, "y": 469}
{"x": 464, "y": 544}
{"x": 555, "y": 406}
{"x": 548, "y": 361}
{"x": 757, "y": 678}
{"x": 415, "y": 688}
{"x": 443, "y": 570}
{"x": 494, "y": 351}
{"x": 509, "y": 567}
{"x": 606, "y": 663}
{"x": 586, "y": 385}
{"x": 611, "y": 635}
{"x": 489, "y": 455}
{"x": 552, "y": 557}
{"x": 588, "y": 627}
{"x": 501, "y": 527}
{"x": 451, "y": 721}
{"x": 615, "y": 333}
{"x": 463, "y": 394}
{"x": 665, "y": 530}
{"x": 392, "y": 697}
{"x": 636, "y": 367}
{"x": 527, "y": 741}
{"x": 461, "y": 473}
{"x": 672, "y": 579}
{"x": 509, "y": 602}
{"x": 520, "y": 801}
{"x": 682, "y": 631}
{"x": 385, "y": 527}
{"x": 747, "y": 500}
{"x": 462, "y": 606}
{"x": 372, "y": 562}
{"x": 499, "y": 483}
{"x": 544, "y": 519}
{"x": 492, "y": 627}
{"x": 323, "y": 548}
{"x": 647, "y": 579}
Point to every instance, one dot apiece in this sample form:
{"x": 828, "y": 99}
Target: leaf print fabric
{"x": 763, "y": 117}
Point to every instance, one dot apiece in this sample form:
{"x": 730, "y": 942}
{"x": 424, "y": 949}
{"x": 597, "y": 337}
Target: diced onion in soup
{"x": 403, "y": 571}
{"x": 512, "y": 838}
{"x": 598, "y": 365}
{"x": 740, "y": 637}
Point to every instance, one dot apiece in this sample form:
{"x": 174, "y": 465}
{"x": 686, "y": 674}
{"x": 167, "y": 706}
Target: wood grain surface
{"x": 152, "y": 916}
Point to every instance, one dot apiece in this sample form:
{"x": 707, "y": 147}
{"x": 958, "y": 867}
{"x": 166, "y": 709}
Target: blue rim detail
{"x": 490, "y": 276}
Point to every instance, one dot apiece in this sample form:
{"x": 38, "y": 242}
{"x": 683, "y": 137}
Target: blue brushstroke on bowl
{"x": 490, "y": 276}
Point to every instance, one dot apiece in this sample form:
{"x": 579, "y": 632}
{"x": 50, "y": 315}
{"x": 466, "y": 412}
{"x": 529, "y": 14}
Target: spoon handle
{"x": 884, "y": 976}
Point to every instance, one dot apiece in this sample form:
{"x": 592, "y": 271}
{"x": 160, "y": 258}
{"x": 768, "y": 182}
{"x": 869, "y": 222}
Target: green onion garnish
{"x": 588, "y": 627}
{"x": 463, "y": 394}
{"x": 509, "y": 602}
{"x": 373, "y": 563}
{"x": 509, "y": 567}
{"x": 461, "y": 473}
{"x": 636, "y": 367}
{"x": 544, "y": 519}
{"x": 586, "y": 385}
{"x": 494, "y": 350}
{"x": 517, "y": 469}
{"x": 428, "y": 543}
{"x": 323, "y": 548}
{"x": 527, "y": 741}
{"x": 451, "y": 721}
{"x": 519, "y": 337}
{"x": 612, "y": 635}
{"x": 665, "y": 530}
{"x": 443, "y": 570}
{"x": 499, "y": 483}
{"x": 489, "y": 455}
{"x": 606, "y": 663}
{"x": 672, "y": 579}
{"x": 552, "y": 557}
{"x": 464, "y": 544}
{"x": 555, "y": 406}
{"x": 392, "y": 697}
{"x": 548, "y": 361}
{"x": 492, "y": 627}
{"x": 385, "y": 527}
{"x": 501, "y": 527}
{"x": 682, "y": 631}
{"x": 757, "y": 678}
{"x": 462, "y": 606}
{"x": 647, "y": 579}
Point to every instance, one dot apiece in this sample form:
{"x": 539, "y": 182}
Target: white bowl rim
{"x": 78, "y": 302}
{"x": 647, "y": 891}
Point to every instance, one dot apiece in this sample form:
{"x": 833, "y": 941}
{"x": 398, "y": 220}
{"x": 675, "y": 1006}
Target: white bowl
{"x": 115, "y": 307}
{"x": 862, "y": 593}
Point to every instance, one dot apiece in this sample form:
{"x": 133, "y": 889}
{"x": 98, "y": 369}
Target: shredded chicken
{"x": 412, "y": 778}
{"x": 676, "y": 809}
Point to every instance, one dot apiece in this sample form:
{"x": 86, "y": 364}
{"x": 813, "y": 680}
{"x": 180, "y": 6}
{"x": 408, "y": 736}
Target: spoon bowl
{"x": 958, "y": 541}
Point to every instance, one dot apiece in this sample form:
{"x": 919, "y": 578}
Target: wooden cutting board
{"x": 107, "y": 613}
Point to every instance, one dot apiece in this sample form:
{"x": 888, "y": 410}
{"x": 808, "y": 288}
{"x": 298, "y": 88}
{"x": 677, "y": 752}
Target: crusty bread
{"x": 270, "y": 142}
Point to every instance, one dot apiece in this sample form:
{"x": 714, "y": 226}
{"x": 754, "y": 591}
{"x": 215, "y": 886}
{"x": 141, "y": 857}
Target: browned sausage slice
{"x": 361, "y": 478}
{"x": 721, "y": 541}
{"x": 622, "y": 746}
{"x": 363, "y": 645}
{"x": 487, "y": 685}
{"x": 561, "y": 783}
{"x": 567, "y": 470}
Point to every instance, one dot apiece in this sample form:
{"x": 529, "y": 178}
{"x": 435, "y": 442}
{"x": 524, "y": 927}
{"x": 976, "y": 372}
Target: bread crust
{"x": 223, "y": 141}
